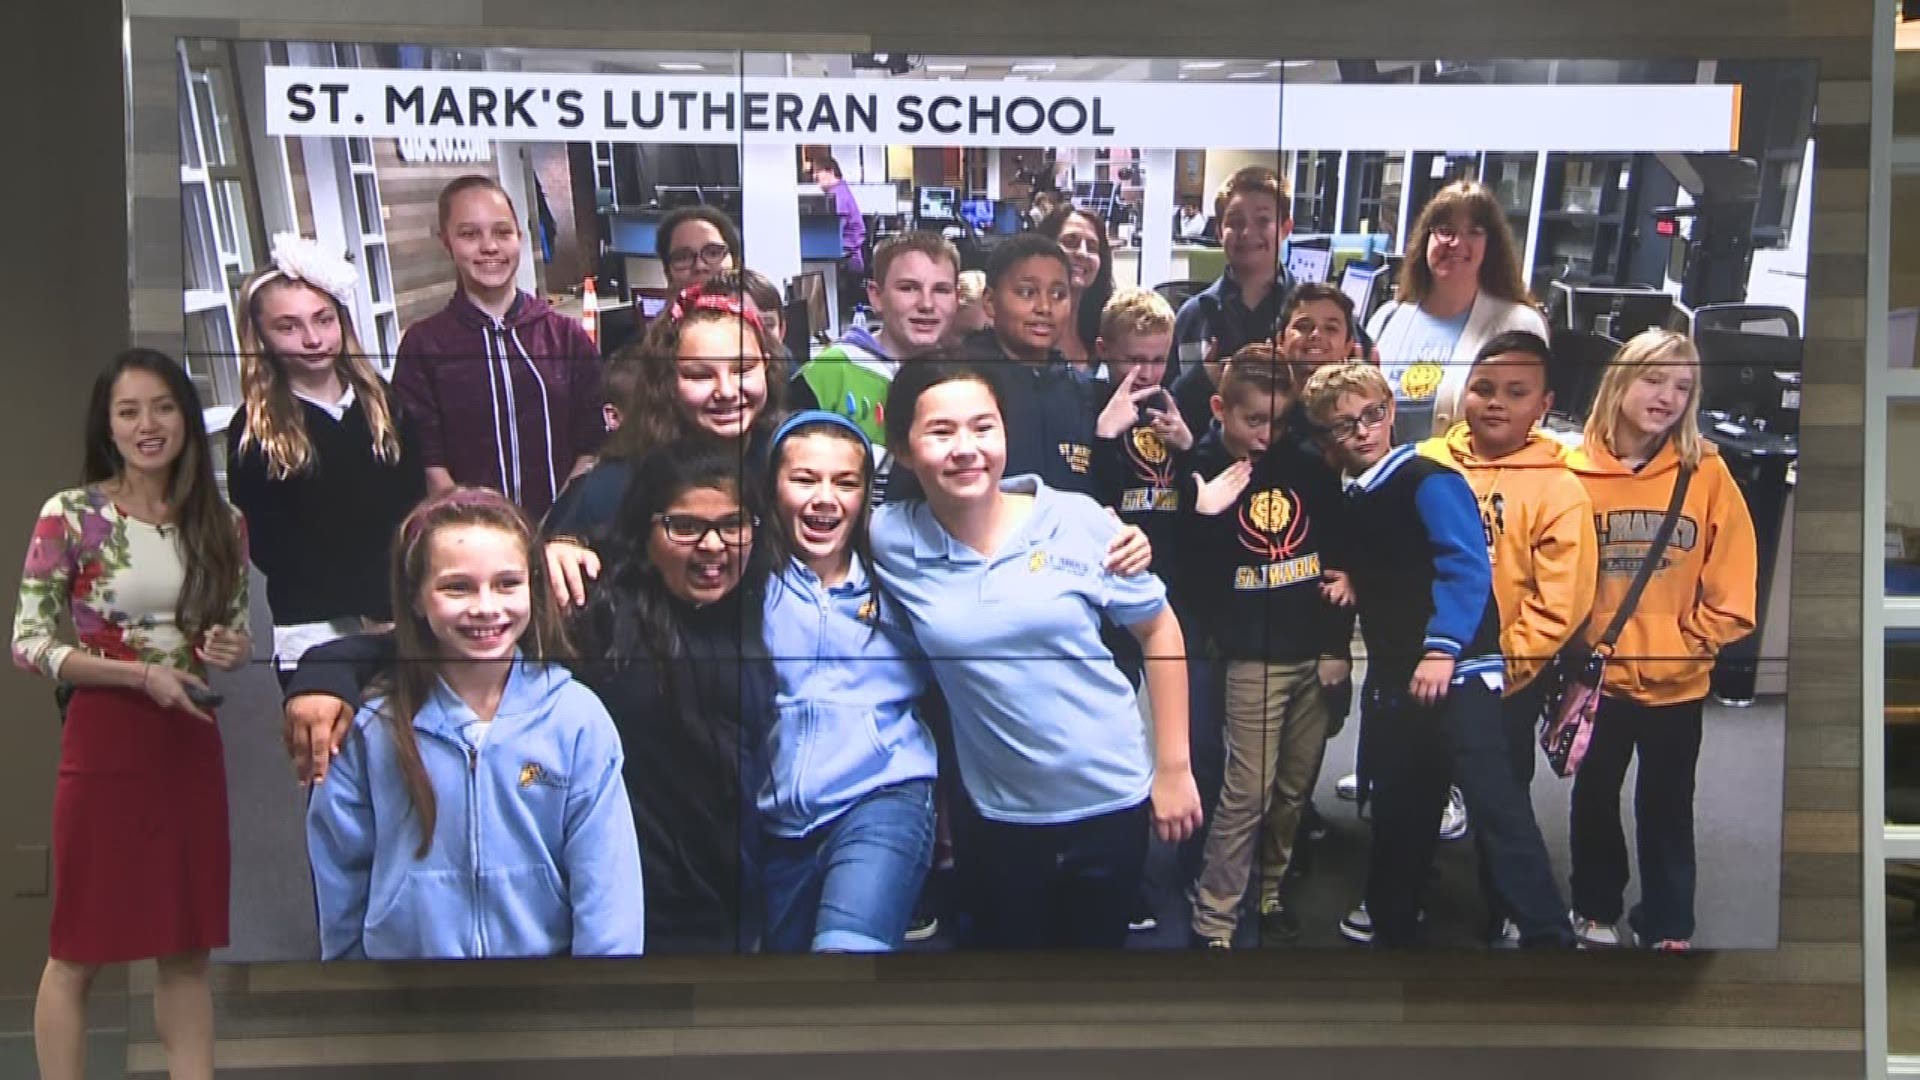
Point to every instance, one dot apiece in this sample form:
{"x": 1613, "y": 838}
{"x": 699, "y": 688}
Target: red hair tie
{"x": 695, "y": 298}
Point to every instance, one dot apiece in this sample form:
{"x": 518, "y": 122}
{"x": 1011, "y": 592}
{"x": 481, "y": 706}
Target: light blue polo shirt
{"x": 1046, "y": 728}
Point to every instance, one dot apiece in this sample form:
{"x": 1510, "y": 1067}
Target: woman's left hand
{"x": 1129, "y": 552}
{"x": 228, "y": 650}
{"x": 1176, "y": 804}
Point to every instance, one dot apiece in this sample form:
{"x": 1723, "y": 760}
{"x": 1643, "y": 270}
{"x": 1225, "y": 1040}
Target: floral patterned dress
{"x": 140, "y": 847}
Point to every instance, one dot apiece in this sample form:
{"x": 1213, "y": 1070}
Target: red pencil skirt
{"x": 141, "y": 860}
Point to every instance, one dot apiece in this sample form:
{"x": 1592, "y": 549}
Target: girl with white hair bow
{"x": 318, "y": 456}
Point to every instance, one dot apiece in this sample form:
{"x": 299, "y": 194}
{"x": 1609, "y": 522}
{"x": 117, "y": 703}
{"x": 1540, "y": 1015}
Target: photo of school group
{"x": 1029, "y": 609}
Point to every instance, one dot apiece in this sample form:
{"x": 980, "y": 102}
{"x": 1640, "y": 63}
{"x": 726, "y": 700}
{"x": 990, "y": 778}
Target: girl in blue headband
{"x": 846, "y": 806}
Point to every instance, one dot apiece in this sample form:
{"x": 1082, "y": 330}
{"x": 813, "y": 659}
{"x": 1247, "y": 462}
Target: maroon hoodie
{"x": 507, "y": 404}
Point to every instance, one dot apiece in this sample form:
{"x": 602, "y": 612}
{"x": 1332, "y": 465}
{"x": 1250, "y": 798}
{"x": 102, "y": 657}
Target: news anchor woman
{"x": 148, "y": 565}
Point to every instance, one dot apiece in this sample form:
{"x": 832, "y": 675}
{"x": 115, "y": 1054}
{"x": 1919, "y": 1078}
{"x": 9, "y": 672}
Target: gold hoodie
{"x": 1700, "y": 599}
{"x": 1539, "y": 527}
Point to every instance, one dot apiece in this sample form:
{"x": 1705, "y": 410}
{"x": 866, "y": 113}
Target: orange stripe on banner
{"x": 1733, "y": 137}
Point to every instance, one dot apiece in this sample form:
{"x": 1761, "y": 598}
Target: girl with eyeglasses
{"x": 695, "y": 244}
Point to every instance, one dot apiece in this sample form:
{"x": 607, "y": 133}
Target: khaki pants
{"x": 1276, "y": 733}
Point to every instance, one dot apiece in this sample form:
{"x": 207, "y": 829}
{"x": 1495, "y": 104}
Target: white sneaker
{"x": 1357, "y": 927}
{"x": 1348, "y": 787}
{"x": 1453, "y": 820}
{"x": 1509, "y": 936}
{"x": 1591, "y": 934}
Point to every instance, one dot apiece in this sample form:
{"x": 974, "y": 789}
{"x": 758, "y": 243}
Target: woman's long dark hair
{"x": 209, "y": 531}
{"x": 1100, "y": 290}
{"x": 631, "y": 617}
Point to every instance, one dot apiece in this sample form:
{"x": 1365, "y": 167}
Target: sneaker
{"x": 1453, "y": 820}
{"x": 925, "y": 921}
{"x": 1593, "y": 934}
{"x": 1278, "y": 924}
{"x": 1508, "y": 936}
{"x": 1357, "y": 927}
{"x": 1348, "y": 787}
{"x": 1143, "y": 919}
{"x": 1673, "y": 945}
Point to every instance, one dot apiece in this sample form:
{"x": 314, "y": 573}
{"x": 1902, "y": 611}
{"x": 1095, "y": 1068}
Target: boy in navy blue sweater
{"x": 1264, "y": 529}
{"x": 1416, "y": 556}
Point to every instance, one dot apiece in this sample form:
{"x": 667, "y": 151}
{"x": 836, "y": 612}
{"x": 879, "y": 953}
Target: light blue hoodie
{"x": 534, "y": 851}
{"x": 846, "y": 723}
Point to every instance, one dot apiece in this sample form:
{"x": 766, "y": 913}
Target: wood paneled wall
{"x": 1801, "y": 1005}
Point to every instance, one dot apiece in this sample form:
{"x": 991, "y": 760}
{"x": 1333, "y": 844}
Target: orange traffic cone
{"x": 590, "y": 311}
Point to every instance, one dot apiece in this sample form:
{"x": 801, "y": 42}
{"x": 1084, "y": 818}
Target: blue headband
{"x": 813, "y": 416}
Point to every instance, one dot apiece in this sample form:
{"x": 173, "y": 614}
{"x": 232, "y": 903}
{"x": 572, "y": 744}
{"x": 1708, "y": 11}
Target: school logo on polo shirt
{"x": 1152, "y": 465}
{"x": 1273, "y": 527}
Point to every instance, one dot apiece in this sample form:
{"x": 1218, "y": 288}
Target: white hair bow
{"x": 297, "y": 258}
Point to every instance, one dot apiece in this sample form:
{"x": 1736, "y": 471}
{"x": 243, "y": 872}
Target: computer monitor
{"x": 1751, "y": 377}
{"x": 1620, "y": 313}
{"x": 936, "y": 204}
{"x": 977, "y": 212}
{"x": 820, "y": 237}
{"x": 1306, "y": 264}
{"x": 1359, "y": 282}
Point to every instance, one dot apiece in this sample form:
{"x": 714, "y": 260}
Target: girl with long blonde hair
{"x": 1643, "y": 438}
{"x": 317, "y": 455}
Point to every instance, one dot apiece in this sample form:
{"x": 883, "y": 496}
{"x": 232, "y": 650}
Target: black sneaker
{"x": 1278, "y": 924}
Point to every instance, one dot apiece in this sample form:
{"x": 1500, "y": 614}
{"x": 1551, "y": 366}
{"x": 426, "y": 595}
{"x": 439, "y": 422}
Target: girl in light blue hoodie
{"x": 477, "y": 808}
{"x": 847, "y": 799}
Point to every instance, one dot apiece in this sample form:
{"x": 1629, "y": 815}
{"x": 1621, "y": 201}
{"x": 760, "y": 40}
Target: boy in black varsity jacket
{"x": 1421, "y": 581}
{"x": 1264, "y": 521}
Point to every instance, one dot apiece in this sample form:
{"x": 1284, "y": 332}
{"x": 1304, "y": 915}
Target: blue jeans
{"x": 849, "y": 885}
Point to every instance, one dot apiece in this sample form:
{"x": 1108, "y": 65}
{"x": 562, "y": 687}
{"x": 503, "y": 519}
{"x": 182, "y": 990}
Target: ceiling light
{"x": 947, "y": 67}
{"x": 1041, "y": 69}
{"x": 1202, "y": 65}
{"x": 1246, "y": 74}
{"x": 681, "y": 65}
{"x": 1289, "y": 63}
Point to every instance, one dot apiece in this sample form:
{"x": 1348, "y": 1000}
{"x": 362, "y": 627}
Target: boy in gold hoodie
{"x": 1642, "y": 430}
{"x": 1539, "y": 528}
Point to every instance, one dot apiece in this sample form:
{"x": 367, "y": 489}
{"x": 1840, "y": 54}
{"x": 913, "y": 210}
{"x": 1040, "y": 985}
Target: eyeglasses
{"x": 711, "y": 255}
{"x": 1369, "y": 417}
{"x": 733, "y": 531}
{"x": 1447, "y": 234}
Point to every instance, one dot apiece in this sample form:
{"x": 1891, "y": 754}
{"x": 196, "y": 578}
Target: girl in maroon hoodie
{"x": 503, "y": 391}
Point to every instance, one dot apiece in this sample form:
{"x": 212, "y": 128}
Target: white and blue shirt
{"x": 1046, "y": 728}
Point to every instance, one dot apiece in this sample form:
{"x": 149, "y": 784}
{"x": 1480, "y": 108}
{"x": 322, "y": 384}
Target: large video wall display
{"x": 758, "y": 502}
